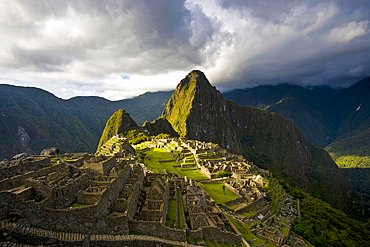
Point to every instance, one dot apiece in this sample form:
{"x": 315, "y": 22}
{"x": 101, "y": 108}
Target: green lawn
{"x": 217, "y": 193}
{"x": 181, "y": 224}
{"x": 248, "y": 214}
{"x": 157, "y": 154}
{"x": 171, "y": 213}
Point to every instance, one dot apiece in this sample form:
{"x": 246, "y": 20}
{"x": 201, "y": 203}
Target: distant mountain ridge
{"x": 32, "y": 119}
{"x": 328, "y": 117}
{"x": 340, "y": 117}
{"x": 198, "y": 111}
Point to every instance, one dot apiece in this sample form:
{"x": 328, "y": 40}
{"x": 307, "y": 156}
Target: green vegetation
{"x": 55, "y": 159}
{"x": 217, "y": 193}
{"x": 246, "y": 233}
{"x": 135, "y": 136}
{"x": 352, "y": 161}
{"x": 223, "y": 174}
{"x": 323, "y": 225}
{"x": 248, "y": 214}
{"x": 154, "y": 155}
{"x": 136, "y": 233}
{"x": 171, "y": 213}
{"x": 79, "y": 205}
{"x": 178, "y": 107}
{"x": 180, "y": 209}
{"x": 119, "y": 122}
{"x": 162, "y": 136}
{"x": 352, "y": 152}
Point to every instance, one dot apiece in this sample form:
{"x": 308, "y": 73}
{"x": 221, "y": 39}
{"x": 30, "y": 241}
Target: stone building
{"x": 156, "y": 198}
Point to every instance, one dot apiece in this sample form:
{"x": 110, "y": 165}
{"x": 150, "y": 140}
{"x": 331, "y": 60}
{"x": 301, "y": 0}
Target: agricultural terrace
{"x": 217, "y": 193}
{"x": 244, "y": 229}
{"x": 157, "y": 160}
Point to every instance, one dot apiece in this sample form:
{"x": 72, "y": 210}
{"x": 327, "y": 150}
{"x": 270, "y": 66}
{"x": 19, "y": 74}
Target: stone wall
{"x": 9, "y": 183}
{"x": 256, "y": 206}
{"x": 64, "y": 195}
{"x": 232, "y": 189}
{"x": 101, "y": 167}
{"x": 91, "y": 195}
{"x": 155, "y": 228}
{"x": 32, "y": 163}
{"x": 195, "y": 234}
{"x": 88, "y": 219}
{"x": 43, "y": 237}
{"x": 236, "y": 201}
{"x": 216, "y": 234}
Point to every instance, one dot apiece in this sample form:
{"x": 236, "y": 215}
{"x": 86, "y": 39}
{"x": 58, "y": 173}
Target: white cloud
{"x": 347, "y": 32}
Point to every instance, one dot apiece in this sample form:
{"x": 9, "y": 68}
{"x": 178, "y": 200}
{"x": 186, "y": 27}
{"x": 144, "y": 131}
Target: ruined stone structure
{"x": 156, "y": 189}
{"x": 117, "y": 145}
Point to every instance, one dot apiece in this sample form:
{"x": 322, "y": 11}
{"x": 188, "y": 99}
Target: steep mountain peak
{"x": 197, "y": 110}
{"x": 197, "y": 77}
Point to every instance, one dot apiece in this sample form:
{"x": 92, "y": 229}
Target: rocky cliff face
{"x": 197, "y": 110}
{"x": 159, "y": 126}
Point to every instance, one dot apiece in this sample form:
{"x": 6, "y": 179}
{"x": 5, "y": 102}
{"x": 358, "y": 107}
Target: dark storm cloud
{"x": 301, "y": 42}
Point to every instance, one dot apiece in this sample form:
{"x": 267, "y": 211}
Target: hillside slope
{"x": 271, "y": 141}
{"x": 326, "y": 116}
{"x": 33, "y": 119}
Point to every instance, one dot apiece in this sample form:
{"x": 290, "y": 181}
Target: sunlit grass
{"x": 156, "y": 154}
{"x": 217, "y": 193}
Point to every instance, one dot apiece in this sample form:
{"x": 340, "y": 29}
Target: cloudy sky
{"x": 119, "y": 49}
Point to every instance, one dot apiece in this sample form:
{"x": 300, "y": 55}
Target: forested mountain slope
{"x": 339, "y": 118}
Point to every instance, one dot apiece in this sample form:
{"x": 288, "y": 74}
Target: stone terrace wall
{"x": 9, "y": 183}
{"x": 232, "y": 189}
{"x": 88, "y": 219}
{"x": 157, "y": 229}
{"x": 236, "y": 201}
{"x": 195, "y": 234}
{"x": 43, "y": 237}
{"x": 32, "y": 163}
{"x": 216, "y": 234}
{"x": 256, "y": 206}
{"x": 102, "y": 167}
{"x": 64, "y": 195}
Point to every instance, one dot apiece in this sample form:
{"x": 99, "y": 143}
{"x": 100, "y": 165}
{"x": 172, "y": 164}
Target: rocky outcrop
{"x": 20, "y": 156}
{"x": 50, "y": 151}
{"x": 159, "y": 126}
{"x": 198, "y": 111}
